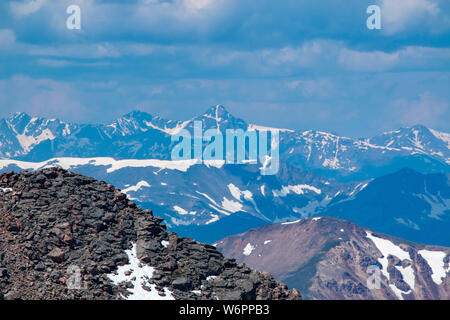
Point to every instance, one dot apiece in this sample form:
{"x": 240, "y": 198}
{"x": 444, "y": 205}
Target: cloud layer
{"x": 266, "y": 60}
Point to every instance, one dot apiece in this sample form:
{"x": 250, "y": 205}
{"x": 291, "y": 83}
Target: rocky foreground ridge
{"x": 67, "y": 236}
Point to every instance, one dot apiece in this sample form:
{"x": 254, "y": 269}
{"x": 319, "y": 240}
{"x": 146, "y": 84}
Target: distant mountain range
{"x": 139, "y": 135}
{"x": 328, "y": 258}
{"x": 320, "y": 174}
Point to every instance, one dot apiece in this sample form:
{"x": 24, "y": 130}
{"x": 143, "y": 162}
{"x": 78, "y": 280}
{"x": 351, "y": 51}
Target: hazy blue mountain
{"x": 140, "y": 135}
{"x": 405, "y": 204}
{"x": 418, "y": 147}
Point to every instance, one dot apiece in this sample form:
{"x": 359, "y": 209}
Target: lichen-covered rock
{"x": 62, "y": 236}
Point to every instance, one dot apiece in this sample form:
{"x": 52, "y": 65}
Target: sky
{"x": 298, "y": 64}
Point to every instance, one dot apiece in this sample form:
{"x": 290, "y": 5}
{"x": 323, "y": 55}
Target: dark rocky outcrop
{"x": 52, "y": 221}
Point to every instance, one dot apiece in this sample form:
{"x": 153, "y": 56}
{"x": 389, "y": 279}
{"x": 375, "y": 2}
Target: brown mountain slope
{"x": 328, "y": 258}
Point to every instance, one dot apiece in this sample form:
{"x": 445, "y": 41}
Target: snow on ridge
{"x": 28, "y": 142}
{"x": 388, "y": 248}
{"x": 169, "y": 131}
{"x": 68, "y": 163}
{"x": 291, "y": 222}
{"x": 6, "y": 190}
{"x": 214, "y": 205}
{"x": 231, "y": 206}
{"x": 312, "y": 207}
{"x": 137, "y": 187}
{"x": 445, "y": 137}
{"x": 359, "y": 187}
{"x": 332, "y": 163}
{"x": 237, "y": 193}
{"x": 297, "y": 189}
{"x": 248, "y": 249}
{"x": 435, "y": 259}
{"x": 139, "y": 275}
{"x": 263, "y": 190}
{"x": 182, "y": 211}
{"x": 214, "y": 218}
{"x": 253, "y": 127}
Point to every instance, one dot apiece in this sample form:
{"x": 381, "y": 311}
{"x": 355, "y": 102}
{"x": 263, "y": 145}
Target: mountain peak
{"x": 420, "y": 128}
{"x": 137, "y": 114}
{"x": 218, "y": 112}
{"x": 219, "y": 117}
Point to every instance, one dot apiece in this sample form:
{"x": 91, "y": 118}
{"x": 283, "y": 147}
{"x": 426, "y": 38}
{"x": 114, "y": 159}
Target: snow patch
{"x": 231, "y": 206}
{"x": 165, "y": 243}
{"x": 214, "y": 218}
{"x": 139, "y": 275}
{"x": 169, "y": 131}
{"x": 137, "y": 187}
{"x": 435, "y": 259}
{"x": 388, "y": 248}
{"x": 237, "y": 193}
{"x": 297, "y": 189}
{"x": 312, "y": 207}
{"x": 263, "y": 190}
{"x": 291, "y": 222}
{"x": 28, "y": 142}
{"x": 182, "y": 211}
{"x": 253, "y": 127}
{"x": 445, "y": 137}
{"x": 248, "y": 249}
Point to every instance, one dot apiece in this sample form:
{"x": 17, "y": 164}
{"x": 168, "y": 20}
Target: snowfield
{"x": 113, "y": 164}
{"x": 388, "y": 248}
{"x": 435, "y": 259}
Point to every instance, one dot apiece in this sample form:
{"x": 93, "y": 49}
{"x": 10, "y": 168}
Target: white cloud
{"x": 398, "y": 15}
{"x": 367, "y": 61}
{"x": 44, "y": 97}
{"x": 320, "y": 88}
{"x": 54, "y": 63}
{"x": 197, "y": 4}
{"x": 425, "y": 109}
{"x": 22, "y": 9}
{"x": 408, "y": 58}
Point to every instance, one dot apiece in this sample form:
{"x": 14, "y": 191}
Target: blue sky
{"x": 300, "y": 64}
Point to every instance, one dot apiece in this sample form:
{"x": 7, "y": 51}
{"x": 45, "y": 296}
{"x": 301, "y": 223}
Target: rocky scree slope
{"x": 52, "y": 220}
